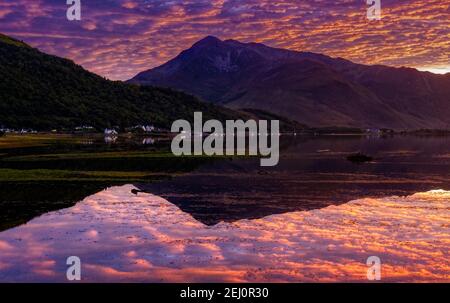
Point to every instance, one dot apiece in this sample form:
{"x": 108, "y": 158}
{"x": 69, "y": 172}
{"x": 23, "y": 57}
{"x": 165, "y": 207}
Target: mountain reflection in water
{"x": 121, "y": 236}
{"x": 312, "y": 174}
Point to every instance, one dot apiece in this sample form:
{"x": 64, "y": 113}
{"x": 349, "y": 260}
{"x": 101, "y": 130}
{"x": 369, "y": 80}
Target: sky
{"x": 120, "y": 38}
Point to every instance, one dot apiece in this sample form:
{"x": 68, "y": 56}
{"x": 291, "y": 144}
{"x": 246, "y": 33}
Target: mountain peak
{"x": 208, "y": 40}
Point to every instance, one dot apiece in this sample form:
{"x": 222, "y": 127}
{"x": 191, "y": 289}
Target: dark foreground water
{"x": 314, "y": 217}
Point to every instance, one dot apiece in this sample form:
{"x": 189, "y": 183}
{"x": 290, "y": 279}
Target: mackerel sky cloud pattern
{"x": 119, "y": 38}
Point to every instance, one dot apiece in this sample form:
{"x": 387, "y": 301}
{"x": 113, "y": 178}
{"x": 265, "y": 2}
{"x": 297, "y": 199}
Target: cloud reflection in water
{"x": 122, "y": 237}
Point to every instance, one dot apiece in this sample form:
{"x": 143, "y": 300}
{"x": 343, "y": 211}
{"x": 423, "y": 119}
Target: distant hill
{"x": 44, "y": 92}
{"x": 311, "y": 88}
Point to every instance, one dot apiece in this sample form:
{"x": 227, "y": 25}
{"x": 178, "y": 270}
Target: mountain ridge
{"x": 46, "y": 92}
{"x": 311, "y": 88}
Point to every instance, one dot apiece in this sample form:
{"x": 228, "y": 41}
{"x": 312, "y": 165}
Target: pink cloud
{"x": 118, "y": 39}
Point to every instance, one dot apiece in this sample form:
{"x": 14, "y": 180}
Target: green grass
{"x": 55, "y": 157}
{"x": 51, "y": 157}
{"x": 10, "y": 141}
{"x": 103, "y": 155}
{"x": 91, "y": 155}
{"x": 13, "y": 175}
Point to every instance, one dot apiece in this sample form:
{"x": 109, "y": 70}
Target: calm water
{"x": 314, "y": 217}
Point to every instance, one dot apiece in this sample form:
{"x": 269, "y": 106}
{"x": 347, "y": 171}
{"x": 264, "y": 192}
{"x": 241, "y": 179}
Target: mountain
{"x": 311, "y": 88}
{"x": 45, "y": 92}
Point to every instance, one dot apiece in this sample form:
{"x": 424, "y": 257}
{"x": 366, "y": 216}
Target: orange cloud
{"x": 118, "y": 39}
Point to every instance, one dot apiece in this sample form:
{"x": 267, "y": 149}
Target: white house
{"x": 110, "y": 132}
